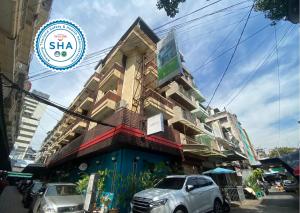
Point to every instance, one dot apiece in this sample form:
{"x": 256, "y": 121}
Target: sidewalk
{"x": 275, "y": 202}
{"x": 11, "y": 201}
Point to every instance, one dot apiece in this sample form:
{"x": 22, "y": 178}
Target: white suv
{"x": 179, "y": 194}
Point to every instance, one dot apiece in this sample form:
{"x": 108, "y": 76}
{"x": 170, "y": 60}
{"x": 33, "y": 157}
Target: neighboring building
{"x": 31, "y": 115}
{"x": 123, "y": 92}
{"x": 19, "y": 22}
{"x": 261, "y": 153}
{"x": 230, "y": 128}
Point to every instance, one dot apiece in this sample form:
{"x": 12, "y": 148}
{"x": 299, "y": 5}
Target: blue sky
{"x": 201, "y": 41}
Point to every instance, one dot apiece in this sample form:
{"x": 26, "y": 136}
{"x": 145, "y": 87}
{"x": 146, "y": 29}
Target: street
{"x": 11, "y": 201}
{"x": 276, "y": 202}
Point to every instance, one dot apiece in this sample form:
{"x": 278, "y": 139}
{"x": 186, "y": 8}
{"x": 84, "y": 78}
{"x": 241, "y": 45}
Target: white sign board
{"x": 155, "y": 124}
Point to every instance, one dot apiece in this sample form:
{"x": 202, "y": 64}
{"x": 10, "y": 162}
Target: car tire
{"x": 180, "y": 209}
{"x": 218, "y": 208}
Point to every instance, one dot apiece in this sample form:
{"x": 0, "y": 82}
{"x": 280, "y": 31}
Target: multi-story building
{"x": 261, "y": 153}
{"x": 31, "y": 115}
{"x": 227, "y": 126}
{"x": 19, "y": 22}
{"x": 124, "y": 93}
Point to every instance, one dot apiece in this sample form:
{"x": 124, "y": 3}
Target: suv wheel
{"x": 180, "y": 210}
{"x": 218, "y": 206}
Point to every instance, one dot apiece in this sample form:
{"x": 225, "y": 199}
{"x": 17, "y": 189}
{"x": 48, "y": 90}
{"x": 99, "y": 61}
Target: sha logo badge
{"x": 60, "y": 45}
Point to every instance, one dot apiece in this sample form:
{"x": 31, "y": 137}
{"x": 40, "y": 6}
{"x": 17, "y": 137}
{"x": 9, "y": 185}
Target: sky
{"x": 205, "y": 44}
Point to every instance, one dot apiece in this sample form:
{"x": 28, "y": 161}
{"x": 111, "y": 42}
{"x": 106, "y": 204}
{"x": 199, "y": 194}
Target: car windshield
{"x": 37, "y": 186}
{"x": 61, "y": 190}
{"x": 171, "y": 183}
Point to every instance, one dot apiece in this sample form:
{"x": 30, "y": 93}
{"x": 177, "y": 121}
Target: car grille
{"x": 140, "y": 204}
{"x": 70, "y": 208}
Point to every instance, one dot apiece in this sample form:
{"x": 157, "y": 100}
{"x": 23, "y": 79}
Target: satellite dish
{"x": 83, "y": 167}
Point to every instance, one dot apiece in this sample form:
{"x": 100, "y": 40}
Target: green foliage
{"x": 273, "y": 9}
{"x": 170, "y": 6}
{"x": 281, "y": 151}
{"x": 251, "y": 181}
{"x": 82, "y": 184}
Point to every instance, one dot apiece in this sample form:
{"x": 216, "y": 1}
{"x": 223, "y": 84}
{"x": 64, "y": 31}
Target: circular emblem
{"x": 60, "y": 45}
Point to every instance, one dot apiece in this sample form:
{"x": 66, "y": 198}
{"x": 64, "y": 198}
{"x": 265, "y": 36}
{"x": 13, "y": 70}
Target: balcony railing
{"x": 108, "y": 95}
{"x": 160, "y": 98}
{"x": 115, "y": 66}
{"x": 190, "y": 117}
{"x": 184, "y": 92}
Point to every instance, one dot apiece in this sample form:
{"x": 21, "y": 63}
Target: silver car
{"x": 59, "y": 197}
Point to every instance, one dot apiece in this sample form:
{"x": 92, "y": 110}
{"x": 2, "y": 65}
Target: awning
{"x": 219, "y": 170}
{"x": 19, "y": 174}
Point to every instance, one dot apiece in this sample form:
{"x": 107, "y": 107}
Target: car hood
{"x": 154, "y": 193}
{"x": 60, "y": 201}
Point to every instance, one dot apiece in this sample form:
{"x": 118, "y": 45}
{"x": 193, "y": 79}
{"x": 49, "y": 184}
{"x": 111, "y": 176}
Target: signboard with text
{"x": 168, "y": 59}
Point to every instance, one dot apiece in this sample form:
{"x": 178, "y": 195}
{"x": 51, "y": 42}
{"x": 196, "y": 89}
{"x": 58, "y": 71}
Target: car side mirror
{"x": 189, "y": 188}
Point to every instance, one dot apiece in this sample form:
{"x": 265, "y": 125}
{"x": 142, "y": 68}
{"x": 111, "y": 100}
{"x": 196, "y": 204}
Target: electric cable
{"x": 228, "y": 65}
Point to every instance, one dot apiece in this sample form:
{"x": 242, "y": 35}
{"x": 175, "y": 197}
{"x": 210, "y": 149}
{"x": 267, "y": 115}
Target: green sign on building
{"x": 168, "y": 59}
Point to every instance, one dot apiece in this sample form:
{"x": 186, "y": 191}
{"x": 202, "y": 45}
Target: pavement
{"x": 275, "y": 202}
{"x": 11, "y": 201}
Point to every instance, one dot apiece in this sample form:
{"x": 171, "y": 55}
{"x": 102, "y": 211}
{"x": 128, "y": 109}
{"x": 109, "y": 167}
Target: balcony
{"x": 105, "y": 106}
{"x": 185, "y": 122}
{"x": 151, "y": 75}
{"x": 111, "y": 77}
{"x": 180, "y": 95}
{"x": 93, "y": 82}
{"x": 87, "y": 103}
{"x": 200, "y": 112}
{"x": 156, "y": 103}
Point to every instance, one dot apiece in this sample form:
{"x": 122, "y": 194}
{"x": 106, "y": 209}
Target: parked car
{"x": 59, "y": 197}
{"x": 290, "y": 186}
{"x": 180, "y": 194}
{"x": 31, "y": 193}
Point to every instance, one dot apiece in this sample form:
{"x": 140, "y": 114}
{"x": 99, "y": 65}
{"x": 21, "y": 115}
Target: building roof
{"x": 143, "y": 26}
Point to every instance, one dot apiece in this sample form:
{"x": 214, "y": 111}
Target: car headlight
{"x": 157, "y": 203}
{"x": 49, "y": 209}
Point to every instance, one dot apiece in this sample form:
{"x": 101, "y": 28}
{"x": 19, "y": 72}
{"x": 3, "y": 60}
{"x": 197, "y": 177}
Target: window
{"x": 192, "y": 181}
{"x": 61, "y": 190}
{"x": 171, "y": 183}
{"x": 202, "y": 182}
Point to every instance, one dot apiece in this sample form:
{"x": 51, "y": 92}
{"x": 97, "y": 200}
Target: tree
{"x": 281, "y": 151}
{"x": 275, "y": 10}
{"x": 170, "y": 6}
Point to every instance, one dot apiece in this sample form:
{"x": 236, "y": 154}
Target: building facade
{"x": 19, "y": 22}
{"x": 124, "y": 93}
{"x": 228, "y": 127}
{"x": 31, "y": 115}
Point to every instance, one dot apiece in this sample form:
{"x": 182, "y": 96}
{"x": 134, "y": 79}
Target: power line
{"x": 94, "y": 54}
{"x": 201, "y": 8}
{"x": 223, "y": 74}
{"x": 279, "y": 89}
{"x": 227, "y": 50}
{"x": 223, "y": 40}
{"x": 47, "y": 102}
{"x": 258, "y": 66}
